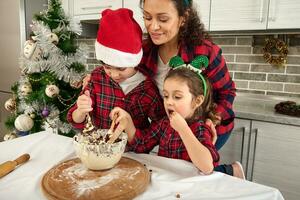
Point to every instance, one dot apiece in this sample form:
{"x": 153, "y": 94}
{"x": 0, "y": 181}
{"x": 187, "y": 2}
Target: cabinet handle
{"x": 261, "y": 11}
{"x": 96, "y": 7}
{"x": 273, "y": 13}
{"x": 254, "y": 151}
{"x": 243, "y": 139}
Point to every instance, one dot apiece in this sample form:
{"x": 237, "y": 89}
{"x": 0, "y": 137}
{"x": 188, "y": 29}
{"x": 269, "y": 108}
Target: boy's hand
{"x": 84, "y": 103}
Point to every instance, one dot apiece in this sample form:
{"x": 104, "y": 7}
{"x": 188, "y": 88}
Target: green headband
{"x": 186, "y": 2}
{"x": 196, "y": 66}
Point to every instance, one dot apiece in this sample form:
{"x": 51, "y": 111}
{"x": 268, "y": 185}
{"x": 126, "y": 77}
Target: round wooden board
{"x": 71, "y": 180}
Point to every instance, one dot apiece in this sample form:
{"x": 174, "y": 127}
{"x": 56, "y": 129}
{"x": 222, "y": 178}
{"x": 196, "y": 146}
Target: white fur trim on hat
{"x": 117, "y": 58}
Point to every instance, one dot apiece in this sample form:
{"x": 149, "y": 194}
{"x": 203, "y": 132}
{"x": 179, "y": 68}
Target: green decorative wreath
{"x": 280, "y": 46}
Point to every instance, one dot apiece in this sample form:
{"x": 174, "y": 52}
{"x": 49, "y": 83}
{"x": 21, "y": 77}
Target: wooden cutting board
{"x": 70, "y": 180}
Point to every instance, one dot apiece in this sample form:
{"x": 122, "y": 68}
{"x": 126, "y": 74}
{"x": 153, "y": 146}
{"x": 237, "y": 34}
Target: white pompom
{"x": 23, "y": 122}
{"x": 52, "y": 91}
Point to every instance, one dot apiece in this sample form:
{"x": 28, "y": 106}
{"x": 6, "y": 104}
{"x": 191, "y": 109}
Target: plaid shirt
{"x": 141, "y": 103}
{"x": 217, "y": 73}
{"x": 169, "y": 141}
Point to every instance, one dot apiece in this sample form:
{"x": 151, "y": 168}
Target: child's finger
{"x": 87, "y": 93}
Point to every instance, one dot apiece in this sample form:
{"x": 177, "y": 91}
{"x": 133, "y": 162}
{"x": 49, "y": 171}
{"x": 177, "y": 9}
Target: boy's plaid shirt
{"x": 141, "y": 103}
{"x": 217, "y": 73}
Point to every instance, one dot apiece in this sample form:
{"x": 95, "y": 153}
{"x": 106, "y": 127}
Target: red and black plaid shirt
{"x": 169, "y": 141}
{"x": 143, "y": 102}
{"x": 217, "y": 73}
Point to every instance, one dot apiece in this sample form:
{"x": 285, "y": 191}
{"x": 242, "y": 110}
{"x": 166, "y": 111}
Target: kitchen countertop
{"x": 261, "y": 108}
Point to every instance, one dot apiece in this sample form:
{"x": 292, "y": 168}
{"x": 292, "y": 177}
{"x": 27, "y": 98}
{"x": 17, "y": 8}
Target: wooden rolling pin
{"x": 9, "y": 166}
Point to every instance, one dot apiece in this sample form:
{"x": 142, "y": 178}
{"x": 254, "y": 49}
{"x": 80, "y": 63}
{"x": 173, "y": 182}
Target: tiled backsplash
{"x": 247, "y": 66}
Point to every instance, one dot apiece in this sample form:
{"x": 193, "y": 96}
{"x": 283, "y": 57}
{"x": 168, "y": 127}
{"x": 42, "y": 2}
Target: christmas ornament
{"x": 51, "y": 91}
{"x": 23, "y": 122}
{"x": 45, "y": 112}
{"x": 76, "y": 84}
{"x": 53, "y": 38}
{"x": 10, "y": 105}
{"x": 31, "y": 51}
{"x": 9, "y": 136}
{"x": 25, "y": 89}
{"x": 280, "y": 46}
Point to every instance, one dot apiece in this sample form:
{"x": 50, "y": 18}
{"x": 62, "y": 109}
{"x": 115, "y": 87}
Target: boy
{"x": 117, "y": 83}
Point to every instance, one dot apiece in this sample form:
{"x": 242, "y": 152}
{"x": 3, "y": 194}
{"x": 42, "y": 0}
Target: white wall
{"x": 10, "y": 47}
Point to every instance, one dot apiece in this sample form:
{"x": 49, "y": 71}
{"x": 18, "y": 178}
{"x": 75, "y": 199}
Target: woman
{"x": 174, "y": 28}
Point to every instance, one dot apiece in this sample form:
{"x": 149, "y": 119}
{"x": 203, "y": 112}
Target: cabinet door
{"x": 235, "y": 149}
{"x": 238, "y": 15}
{"x": 276, "y": 157}
{"x": 91, "y": 9}
{"x": 203, "y": 8}
{"x": 284, "y": 14}
{"x": 134, "y": 5}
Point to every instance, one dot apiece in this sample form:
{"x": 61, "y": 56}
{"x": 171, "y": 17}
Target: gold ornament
{"x": 10, "y": 136}
{"x": 52, "y": 91}
{"x": 32, "y": 51}
{"x": 76, "y": 84}
{"x": 23, "y": 122}
{"x": 26, "y": 89}
{"x": 280, "y": 46}
{"x": 10, "y": 105}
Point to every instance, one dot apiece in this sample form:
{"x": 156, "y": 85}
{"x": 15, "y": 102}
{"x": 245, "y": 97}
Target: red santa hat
{"x": 119, "y": 39}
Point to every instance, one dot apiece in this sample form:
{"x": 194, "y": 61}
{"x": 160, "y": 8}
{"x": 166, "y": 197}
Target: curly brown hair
{"x": 195, "y": 84}
{"x": 193, "y": 31}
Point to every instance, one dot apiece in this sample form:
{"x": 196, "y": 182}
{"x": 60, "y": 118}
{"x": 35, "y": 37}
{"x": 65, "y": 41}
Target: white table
{"x": 169, "y": 176}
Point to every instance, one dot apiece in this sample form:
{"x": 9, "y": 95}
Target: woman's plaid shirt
{"x": 142, "y": 103}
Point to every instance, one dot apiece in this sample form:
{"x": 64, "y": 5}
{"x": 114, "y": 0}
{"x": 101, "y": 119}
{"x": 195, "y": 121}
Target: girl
{"x": 182, "y": 134}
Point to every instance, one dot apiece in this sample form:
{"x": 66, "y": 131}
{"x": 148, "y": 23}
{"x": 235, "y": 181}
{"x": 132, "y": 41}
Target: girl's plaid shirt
{"x": 169, "y": 141}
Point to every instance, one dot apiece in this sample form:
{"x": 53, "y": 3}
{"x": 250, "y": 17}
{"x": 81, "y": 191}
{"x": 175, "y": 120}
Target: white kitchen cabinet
{"x": 134, "y": 5}
{"x": 238, "y": 15}
{"x": 276, "y": 157}
{"x": 91, "y": 9}
{"x": 269, "y": 153}
{"x": 235, "y": 149}
{"x": 284, "y": 14}
{"x": 203, "y": 9}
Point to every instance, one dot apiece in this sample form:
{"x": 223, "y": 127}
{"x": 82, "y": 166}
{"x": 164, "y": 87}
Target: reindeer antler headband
{"x": 196, "y": 66}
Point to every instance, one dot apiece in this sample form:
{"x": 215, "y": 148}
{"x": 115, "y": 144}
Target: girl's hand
{"x": 123, "y": 122}
{"x": 177, "y": 122}
{"x": 84, "y": 103}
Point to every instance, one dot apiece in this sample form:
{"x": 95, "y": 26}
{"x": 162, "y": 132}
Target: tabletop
{"x": 170, "y": 178}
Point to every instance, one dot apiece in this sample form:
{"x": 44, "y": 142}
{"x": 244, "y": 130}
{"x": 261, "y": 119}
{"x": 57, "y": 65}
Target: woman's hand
{"x": 177, "y": 122}
{"x": 123, "y": 122}
{"x": 212, "y": 127}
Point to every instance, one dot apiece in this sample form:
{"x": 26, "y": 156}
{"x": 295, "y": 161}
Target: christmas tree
{"x": 52, "y": 66}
